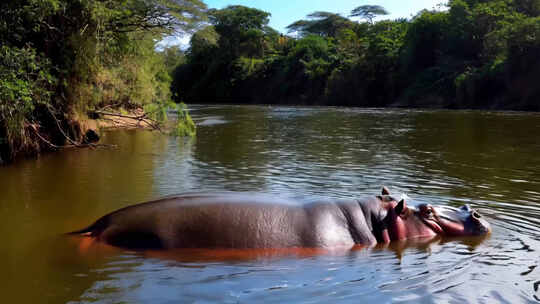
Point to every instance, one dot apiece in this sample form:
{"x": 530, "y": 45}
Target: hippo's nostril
{"x": 466, "y": 207}
{"x": 475, "y": 215}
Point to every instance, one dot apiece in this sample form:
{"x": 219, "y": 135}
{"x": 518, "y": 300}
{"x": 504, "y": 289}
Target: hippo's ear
{"x": 385, "y": 191}
{"x": 401, "y": 207}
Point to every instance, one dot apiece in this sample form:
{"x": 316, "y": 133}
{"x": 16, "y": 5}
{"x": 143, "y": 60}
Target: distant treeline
{"x": 470, "y": 54}
{"x": 61, "y": 59}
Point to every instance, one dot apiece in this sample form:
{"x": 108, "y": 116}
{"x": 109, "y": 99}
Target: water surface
{"x": 489, "y": 160}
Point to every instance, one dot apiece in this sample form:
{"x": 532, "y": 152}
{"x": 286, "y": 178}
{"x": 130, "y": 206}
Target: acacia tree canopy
{"x": 368, "y": 12}
{"x": 320, "y": 23}
{"x": 237, "y": 18}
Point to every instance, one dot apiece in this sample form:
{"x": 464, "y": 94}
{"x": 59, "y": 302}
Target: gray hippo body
{"x": 249, "y": 220}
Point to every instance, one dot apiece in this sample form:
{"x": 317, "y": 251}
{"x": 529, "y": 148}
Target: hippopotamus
{"x": 251, "y": 220}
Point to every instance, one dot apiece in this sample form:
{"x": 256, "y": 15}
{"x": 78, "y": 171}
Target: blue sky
{"x": 285, "y": 12}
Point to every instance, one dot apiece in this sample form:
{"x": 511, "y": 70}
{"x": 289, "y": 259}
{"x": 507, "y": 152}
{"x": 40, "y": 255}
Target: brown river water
{"x": 490, "y": 160}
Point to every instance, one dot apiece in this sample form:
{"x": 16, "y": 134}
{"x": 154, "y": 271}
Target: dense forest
{"x": 61, "y": 60}
{"x": 469, "y": 54}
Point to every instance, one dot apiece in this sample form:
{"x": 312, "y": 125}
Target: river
{"x": 490, "y": 160}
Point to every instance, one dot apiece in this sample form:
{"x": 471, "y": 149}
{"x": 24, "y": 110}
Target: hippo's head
{"x": 402, "y": 222}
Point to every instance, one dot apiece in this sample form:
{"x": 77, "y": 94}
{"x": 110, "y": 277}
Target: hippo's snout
{"x": 461, "y": 221}
{"x": 480, "y": 225}
{"x": 474, "y": 223}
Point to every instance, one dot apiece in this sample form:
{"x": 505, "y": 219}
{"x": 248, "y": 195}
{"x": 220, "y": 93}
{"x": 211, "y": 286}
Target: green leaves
{"x": 25, "y": 80}
{"x": 76, "y": 55}
{"x": 240, "y": 30}
{"x": 25, "y": 83}
{"x": 473, "y": 53}
{"x": 185, "y": 127}
{"x": 245, "y": 68}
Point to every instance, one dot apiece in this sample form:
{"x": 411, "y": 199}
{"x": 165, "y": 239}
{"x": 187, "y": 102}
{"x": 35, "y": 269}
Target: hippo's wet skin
{"x": 247, "y": 220}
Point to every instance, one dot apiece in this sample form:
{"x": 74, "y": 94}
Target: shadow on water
{"x": 488, "y": 160}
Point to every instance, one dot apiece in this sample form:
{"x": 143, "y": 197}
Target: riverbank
{"x": 77, "y": 131}
{"x": 62, "y": 60}
{"x": 85, "y": 131}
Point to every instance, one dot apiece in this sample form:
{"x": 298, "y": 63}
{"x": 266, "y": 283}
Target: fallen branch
{"x": 62, "y": 130}
{"x": 140, "y": 118}
{"x": 123, "y": 123}
{"x": 34, "y": 127}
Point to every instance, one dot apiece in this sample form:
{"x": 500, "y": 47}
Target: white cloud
{"x": 182, "y": 41}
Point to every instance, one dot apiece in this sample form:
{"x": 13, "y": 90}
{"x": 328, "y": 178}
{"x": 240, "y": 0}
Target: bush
{"x": 25, "y": 83}
{"x": 185, "y": 125}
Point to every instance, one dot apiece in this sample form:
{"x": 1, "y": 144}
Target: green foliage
{"x": 241, "y": 30}
{"x": 238, "y": 18}
{"x": 244, "y": 68}
{"x": 314, "y": 53}
{"x": 224, "y": 54}
{"x": 311, "y": 47}
{"x": 203, "y": 42}
{"x": 528, "y": 7}
{"x": 172, "y": 57}
{"x": 75, "y": 56}
{"x": 386, "y": 39}
{"x": 478, "y": 53}
{"x": 25, "y": 82}
{"x": 185, "y": 127}
{"x": 183, "y": 124}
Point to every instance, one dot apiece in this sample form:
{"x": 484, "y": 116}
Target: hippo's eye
{"x": 427, "y": 212}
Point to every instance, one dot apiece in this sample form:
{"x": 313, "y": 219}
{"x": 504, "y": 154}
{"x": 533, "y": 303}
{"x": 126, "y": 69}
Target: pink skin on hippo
{"x": 426, "y": 221}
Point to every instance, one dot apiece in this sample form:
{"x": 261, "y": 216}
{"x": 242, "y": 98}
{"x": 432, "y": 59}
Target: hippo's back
{"x": 208, "y": 220}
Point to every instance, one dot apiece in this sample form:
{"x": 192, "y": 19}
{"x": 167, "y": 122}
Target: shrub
{"x": 25, "y": 83}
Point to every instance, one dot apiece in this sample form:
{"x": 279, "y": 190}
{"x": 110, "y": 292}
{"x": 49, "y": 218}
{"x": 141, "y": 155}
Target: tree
{"x": 241, "y": 29}
{"x": 173, "y": 56}
{"x": 203, "y": 41}
{"x": 528, "y": 7}
{"x": 141, "y": 15}
{"x": 368, "y": 12}
{"x": 237, "y": 18}
{"x": 324, "y": 24}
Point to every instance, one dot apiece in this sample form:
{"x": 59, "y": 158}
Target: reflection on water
{"x": 489, "y": 160}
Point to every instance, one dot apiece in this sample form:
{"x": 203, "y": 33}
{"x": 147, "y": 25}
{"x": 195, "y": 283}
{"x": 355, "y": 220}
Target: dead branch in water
{"x": 35, "y": 127}
{"x": 123, "y": 123}
{"x": 139, "y": 118}
{"x": 60, "y": 128}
